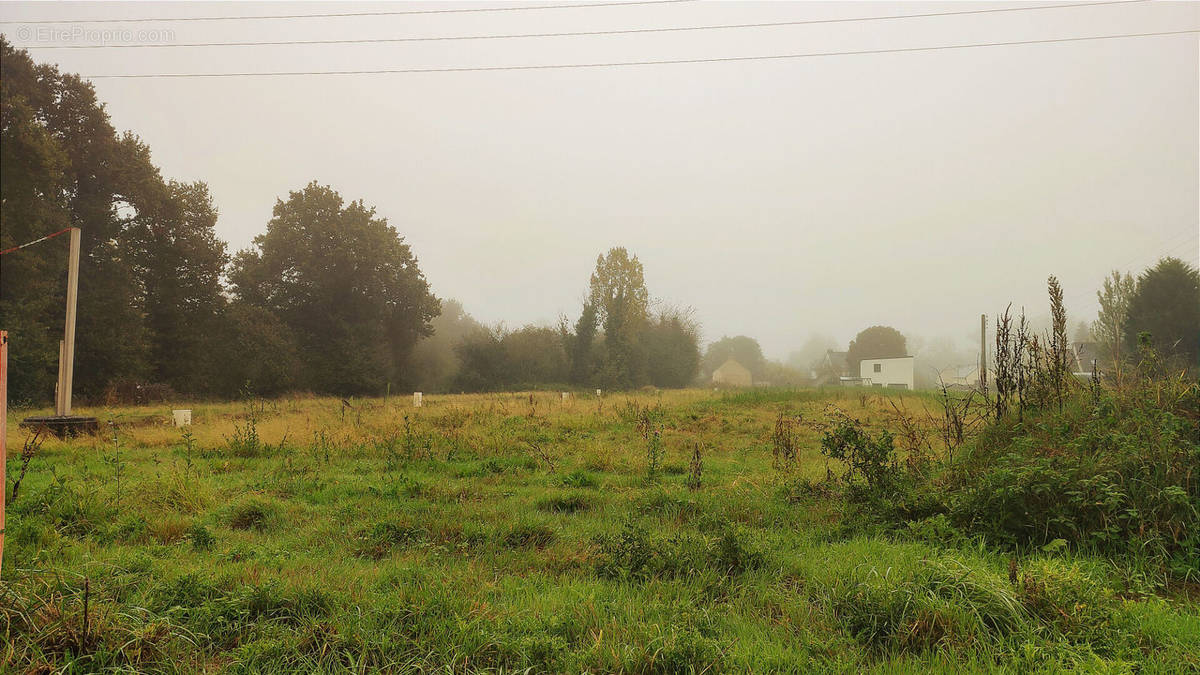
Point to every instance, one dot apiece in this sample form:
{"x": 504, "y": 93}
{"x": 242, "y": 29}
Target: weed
{"x": 188, "y": 444}
{"x": 244, "y": 442}
{"x": 654, "y": 454}
{"x": 28, "y": 449}
{"x": 695, "y": 469}
{"x": 783, "y": 444}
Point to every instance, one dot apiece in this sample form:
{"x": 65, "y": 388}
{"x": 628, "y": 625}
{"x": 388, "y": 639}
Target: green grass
{"x": 471, "y": 536}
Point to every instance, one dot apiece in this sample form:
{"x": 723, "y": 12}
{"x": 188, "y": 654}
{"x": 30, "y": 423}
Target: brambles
{"x": 870, "y": 459}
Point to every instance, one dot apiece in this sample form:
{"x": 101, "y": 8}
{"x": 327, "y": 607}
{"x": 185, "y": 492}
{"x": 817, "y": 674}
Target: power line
{"x": 1172, "y": 244}
{"x": 617, "y": 64}
{"x": 461, "y": 10}
{"x": 627, "y": 31}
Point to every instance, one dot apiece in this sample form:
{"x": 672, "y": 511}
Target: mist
{"x": 777, "y": 198}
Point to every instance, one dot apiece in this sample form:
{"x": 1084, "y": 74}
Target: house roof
{"x": 732, "y": 366}
{"x": 836, "y": 359}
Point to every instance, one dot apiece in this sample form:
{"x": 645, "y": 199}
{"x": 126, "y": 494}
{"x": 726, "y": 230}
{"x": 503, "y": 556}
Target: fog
{"x": 795, "y": 201}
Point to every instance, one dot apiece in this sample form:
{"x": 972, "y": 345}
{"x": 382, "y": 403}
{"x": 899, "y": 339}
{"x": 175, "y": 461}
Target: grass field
{"x": 517, "y": 532}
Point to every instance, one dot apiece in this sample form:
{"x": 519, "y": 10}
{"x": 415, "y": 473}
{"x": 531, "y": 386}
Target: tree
{"x": 257, "y": 352}
{"x": 534, "y": 355}
{"x": 434, "y": 362}
{"x": 64, "y": 165}
{"x": 876, "y": 342}
{"x": 581, "y": 345}
{"x": 482, "y": 358}
{"x": 621, "y": 301}
{"x": 1166, "y": 304}
{"x": 744, "y": 350}
{"x": 810, "y": 354}
{"x": 179, "y": 259}
{"x": 345, "y": 284}
{"x": 672, "y": 344}
{"x": 1109, "y": 326}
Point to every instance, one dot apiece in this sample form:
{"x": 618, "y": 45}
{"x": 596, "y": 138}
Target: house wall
{"x": 891, "y": 372}
{"x": 733, "y": 375}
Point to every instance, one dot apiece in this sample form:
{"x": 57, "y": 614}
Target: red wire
{"x": 35, "y": 241}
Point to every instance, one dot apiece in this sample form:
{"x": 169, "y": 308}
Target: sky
{"x": 778, "y": 198}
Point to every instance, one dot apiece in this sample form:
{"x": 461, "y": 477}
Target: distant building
{"x": 959, "y": 377}
{"x": 896, "y": 373}
{"x": 831, "y": 370}
{"x": 732, "y": 374}
{"x": 1084, "y": 356}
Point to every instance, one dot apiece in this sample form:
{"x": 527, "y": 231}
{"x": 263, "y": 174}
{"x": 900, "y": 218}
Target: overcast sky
{"x": 777, "y": 197}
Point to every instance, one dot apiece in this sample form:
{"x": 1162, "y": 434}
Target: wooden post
{"x": 67, "y": 372}
{"x": 983, "y": 353}
{"x": 3, "y": 433}
{"x": 58, "y": 384}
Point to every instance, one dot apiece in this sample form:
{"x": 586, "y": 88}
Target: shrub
{"x": 870, "y": 459}
{"x": 1114, "y": 477}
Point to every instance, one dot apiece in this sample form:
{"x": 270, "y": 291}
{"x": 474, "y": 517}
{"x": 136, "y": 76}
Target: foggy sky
{"x": 778, "y": 198}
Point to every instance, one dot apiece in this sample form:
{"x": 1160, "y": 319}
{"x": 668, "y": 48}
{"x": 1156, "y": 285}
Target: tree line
{"x": 618, "y": 341}
{"x": 328, "y": 299}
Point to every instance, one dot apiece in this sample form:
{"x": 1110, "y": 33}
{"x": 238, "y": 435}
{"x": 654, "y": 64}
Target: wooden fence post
{"x": 3, "y": 434}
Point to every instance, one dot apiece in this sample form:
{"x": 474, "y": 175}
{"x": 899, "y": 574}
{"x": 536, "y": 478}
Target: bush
{"x": 1112, "y": 472}
{"x": 870, "y": 460}
{"x": 1117, "y": 477}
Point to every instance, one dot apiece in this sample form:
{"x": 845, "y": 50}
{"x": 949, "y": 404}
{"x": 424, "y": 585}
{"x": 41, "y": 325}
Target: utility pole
{"x": 66, "y": 370}
{"x": 63, "y": 423}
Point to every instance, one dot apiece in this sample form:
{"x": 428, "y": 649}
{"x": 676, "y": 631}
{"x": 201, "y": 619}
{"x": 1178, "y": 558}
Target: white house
{"x": 895, "y": 373}
{"x": 964, "y": 376}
